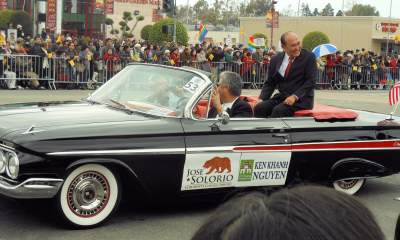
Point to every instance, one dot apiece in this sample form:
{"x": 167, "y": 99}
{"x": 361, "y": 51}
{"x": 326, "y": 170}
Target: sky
{"x": 383, "y": 6}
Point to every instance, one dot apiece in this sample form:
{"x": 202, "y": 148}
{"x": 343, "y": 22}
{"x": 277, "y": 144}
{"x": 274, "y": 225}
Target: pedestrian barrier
{"x": 27, "y": 71}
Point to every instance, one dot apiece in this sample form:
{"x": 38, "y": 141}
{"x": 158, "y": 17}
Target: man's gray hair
{"x": 233, "y": 81}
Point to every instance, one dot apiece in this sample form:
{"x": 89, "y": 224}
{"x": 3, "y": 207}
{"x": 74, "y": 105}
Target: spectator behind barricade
{"x": 228, "y": 54}
{"x": 237, "y": 56}
{"x": 112, "y": 62}
{"x": 20, "y": 32}
{"x": 37, "y": 62}
{"x": 71, "y": 58}
{"x": 166, "y": 58}
{"x": 300, "y": 213}
{"x": 125, "y": 55}
{"x": 185, "y": 57}
{"x": 193, "y": 58}
{"x": 202, "y": 60}
{"x": 258, "y": 55}
{"x": 136, "y": 53}
{"x": 175, "y": 57}
{"x": 83, "y": 66}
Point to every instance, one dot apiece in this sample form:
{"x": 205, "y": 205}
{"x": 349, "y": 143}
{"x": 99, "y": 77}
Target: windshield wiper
{"x": 91, "y": 101}
{"x": 119, "y": 105}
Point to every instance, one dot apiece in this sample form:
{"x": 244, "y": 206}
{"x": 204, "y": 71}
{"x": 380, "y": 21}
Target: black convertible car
{"x": 148, "y": 127}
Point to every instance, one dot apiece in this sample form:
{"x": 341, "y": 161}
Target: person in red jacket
{"x": 113, "y": 63}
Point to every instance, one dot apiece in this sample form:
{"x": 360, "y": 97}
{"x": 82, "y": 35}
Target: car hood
{"x": 52, "y": 116}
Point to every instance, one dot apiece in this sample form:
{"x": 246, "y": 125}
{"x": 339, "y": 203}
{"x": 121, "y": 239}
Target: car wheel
{"x": 89, "y": 196}
{"x": 349, "y": 186}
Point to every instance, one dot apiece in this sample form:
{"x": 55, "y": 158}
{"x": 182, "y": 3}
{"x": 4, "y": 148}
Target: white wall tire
{"x": 350, "y": 186}
{"x": 89, "y": 196}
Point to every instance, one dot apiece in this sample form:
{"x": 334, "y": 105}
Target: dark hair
{"x": 292, "y": 214}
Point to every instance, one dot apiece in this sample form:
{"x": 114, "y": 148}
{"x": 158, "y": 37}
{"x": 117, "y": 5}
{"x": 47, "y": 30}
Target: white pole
{"x": 187, "y": 12}
{"x": 298, "y": 9}
{"x": 174, "y": 35}
{"x": 59, "y": 9}
{"x": 388, "y": 36}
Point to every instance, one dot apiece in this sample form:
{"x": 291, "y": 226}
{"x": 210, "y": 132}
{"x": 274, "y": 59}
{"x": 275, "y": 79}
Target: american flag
{"x": 394, "y": 94}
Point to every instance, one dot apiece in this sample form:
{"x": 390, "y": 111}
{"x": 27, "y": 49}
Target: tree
{"x": 305, "y": 10}
{"x": 328, "y": 10}
{"x": 261, "y": 35}
{"x": 138, "y": 19}
{"x": 362, "y": 10}
{"x": 316, "y": 12}
{"x": 126, "y": 18}
{"x": 157, "y": 37}
{"x": 339, "y": 13}
{"x": 313, "y": 39}
{"x": 145, "y": 32}
{"x": 16, "y": 17}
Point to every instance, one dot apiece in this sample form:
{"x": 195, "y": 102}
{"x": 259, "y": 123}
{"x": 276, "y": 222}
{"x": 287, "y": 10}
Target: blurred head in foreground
{"x": 292, "y": 214}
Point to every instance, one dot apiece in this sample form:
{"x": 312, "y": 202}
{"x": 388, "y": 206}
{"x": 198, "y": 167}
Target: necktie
{"x": 289, "y": 66}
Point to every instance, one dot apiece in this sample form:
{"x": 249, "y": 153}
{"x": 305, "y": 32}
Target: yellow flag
{"x": 72, "y": 63}
{"x": 211, "y": 57}
{"x": 2, "y": 40}
{"x": 172, "y": 62}
{"x": 50, "y": 55}
{"x": 59, "y": 40}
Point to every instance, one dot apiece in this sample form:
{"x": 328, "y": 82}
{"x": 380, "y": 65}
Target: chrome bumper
{"x": 31, "y": 188}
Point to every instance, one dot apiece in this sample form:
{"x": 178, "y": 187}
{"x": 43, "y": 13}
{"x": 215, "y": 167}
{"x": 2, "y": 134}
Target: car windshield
{"x": 150, "y": 89}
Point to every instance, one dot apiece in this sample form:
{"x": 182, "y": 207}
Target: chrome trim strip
{"x": 119, "y": 152}
{"x": 31, "y": 188}
{"x": 210, "y": 149}
{"x": 5, "y": 147}
{"x": 366, "y": 141}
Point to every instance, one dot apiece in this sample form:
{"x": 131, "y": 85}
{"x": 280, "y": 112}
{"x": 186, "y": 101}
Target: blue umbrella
{"x": 324, "y": 49}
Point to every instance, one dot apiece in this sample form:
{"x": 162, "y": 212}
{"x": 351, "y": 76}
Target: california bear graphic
{"x": 218, "y": 164}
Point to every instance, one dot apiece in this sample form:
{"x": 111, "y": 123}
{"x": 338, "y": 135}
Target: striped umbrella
{"x": 324, "y": 49}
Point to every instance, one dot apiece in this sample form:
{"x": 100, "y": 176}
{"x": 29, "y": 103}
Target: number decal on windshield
{"x": 193, "y": 84}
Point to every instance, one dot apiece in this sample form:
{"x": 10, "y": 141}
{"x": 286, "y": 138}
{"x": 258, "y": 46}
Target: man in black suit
{"x": 293, "y": 72}
{"x": 226, "y": 97}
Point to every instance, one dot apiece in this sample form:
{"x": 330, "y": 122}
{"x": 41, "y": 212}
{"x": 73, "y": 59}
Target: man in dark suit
{"x": 293, "y": 72}
{"x": 226, "y": 97}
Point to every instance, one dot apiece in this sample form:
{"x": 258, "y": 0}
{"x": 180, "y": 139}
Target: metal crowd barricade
{"x": 59, "y": 72}
{"x": 28, "y": 70}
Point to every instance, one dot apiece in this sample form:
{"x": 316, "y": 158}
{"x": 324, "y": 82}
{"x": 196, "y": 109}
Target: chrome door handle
{"x": 282, "y": 135}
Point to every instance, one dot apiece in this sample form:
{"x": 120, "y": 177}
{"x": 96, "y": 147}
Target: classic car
{"x": 148, "y": 128}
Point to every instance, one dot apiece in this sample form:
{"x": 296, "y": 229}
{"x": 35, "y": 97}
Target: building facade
{"x": 149, "y": 9}
{"x": 346, "y": 32}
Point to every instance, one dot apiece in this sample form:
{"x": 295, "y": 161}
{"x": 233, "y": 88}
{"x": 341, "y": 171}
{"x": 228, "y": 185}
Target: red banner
{"x": 109, "y": 6}
{"x": 51, "y": 15}
{"x": 3, "y": 4}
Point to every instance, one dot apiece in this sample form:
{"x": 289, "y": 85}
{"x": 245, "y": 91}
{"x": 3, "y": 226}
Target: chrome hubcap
{"x": 88, "y": 194}
{"x": 347, "y": 184}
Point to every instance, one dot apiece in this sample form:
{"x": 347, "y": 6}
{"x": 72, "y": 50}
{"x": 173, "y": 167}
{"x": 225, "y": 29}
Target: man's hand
{"x": 290, "y": 100}
{"x": 216, "y": 100}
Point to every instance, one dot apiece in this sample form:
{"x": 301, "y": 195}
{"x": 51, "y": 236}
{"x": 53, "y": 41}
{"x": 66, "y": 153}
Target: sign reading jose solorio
{"x": 213, "y": 170}
{"x": 203, "y": 171}
{"x": 258, "y": 170}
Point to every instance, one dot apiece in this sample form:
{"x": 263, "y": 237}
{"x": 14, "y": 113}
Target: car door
{"x": 242, "y": 153}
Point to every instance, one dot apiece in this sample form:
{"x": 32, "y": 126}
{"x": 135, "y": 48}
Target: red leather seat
{"x": 322, "y": 112}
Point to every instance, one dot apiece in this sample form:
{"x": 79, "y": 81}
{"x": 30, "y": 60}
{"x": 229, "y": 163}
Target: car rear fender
{"x": 126, "y": 173}
{"x": 350, "y": 168}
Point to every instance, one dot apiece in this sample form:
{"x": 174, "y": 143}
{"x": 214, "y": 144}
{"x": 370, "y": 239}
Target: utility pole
{"x": 187, "y": 12}
{"x": 174, "y": 12}
{"x": 388, "y": 36}
{"x": 272, "y": 21}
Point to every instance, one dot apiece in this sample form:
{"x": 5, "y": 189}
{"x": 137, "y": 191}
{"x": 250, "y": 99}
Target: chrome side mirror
{"x": 224, "y": 118}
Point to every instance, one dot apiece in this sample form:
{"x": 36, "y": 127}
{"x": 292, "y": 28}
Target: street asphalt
{"x": 35, "y": 219}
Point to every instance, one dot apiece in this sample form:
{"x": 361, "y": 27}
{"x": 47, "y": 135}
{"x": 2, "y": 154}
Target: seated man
{"x": 226, "y": 97}
{"x": 293, "y": 73}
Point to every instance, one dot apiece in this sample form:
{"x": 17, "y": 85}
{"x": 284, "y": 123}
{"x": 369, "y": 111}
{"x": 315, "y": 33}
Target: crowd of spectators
{"x": 74, "y": 62}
